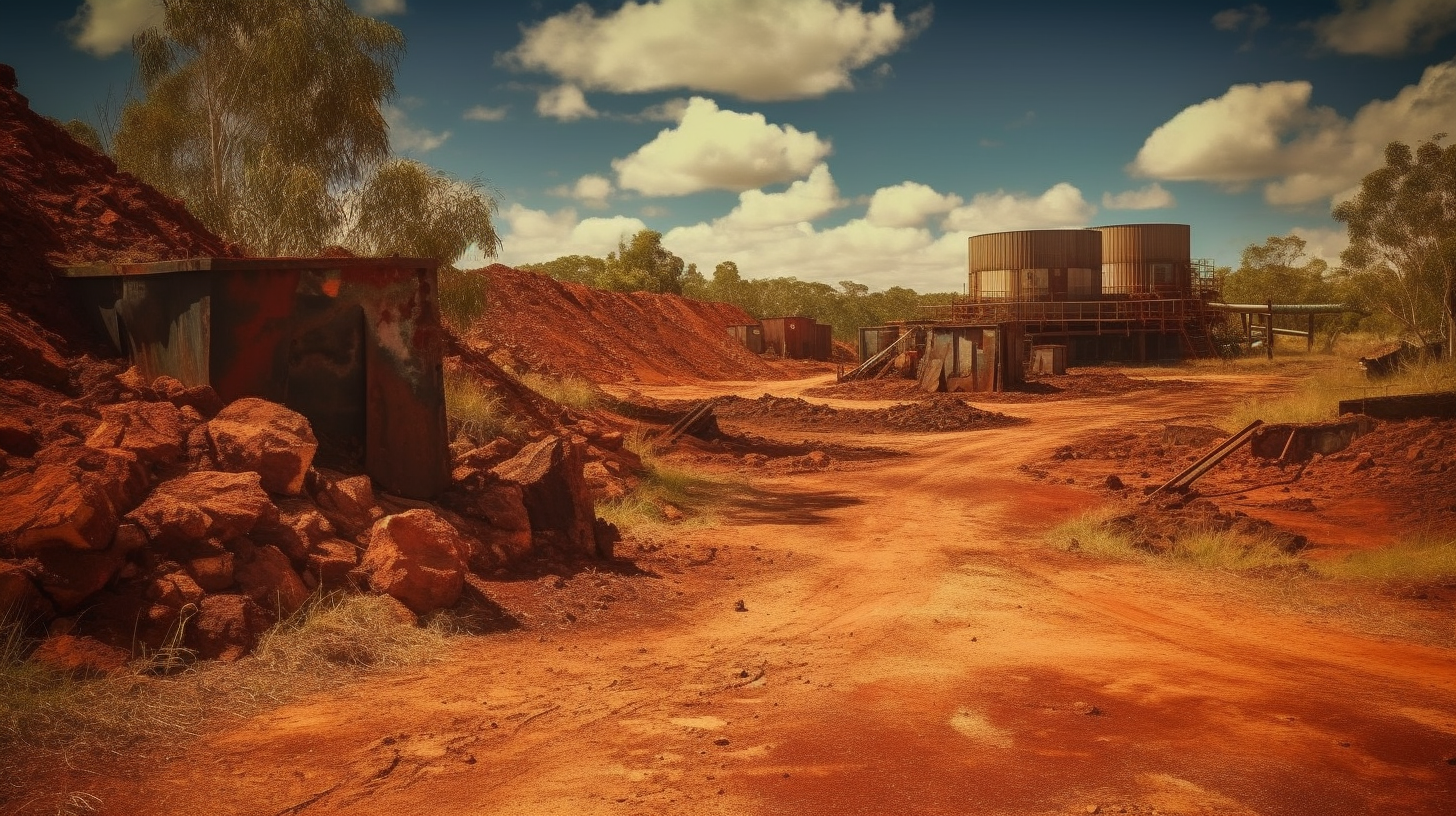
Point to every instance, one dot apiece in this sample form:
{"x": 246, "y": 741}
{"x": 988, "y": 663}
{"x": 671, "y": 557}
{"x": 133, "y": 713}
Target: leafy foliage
{"x": 846, "y": 308}
{"x": 256, "y": 110}
{"x": 407, "y": 208}
{"x": 1402, "y": 254}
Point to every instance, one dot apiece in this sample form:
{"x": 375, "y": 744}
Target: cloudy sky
{"x": 834, "y": 140}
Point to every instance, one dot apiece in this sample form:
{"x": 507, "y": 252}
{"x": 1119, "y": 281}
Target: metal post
{"x": 1269, "y": 332}
{"x": 1309, "y": 342}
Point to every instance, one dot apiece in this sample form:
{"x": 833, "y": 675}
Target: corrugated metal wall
{"x": 1131, "y": 251}
{"x": 1063, "y": 249}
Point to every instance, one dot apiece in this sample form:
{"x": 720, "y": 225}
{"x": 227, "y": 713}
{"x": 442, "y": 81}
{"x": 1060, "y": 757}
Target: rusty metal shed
{"x": 1036, "y": 265}
{"x": 353, "y": 344}
{"x": 748, "y": 335}
{"x": 797, "y": 337}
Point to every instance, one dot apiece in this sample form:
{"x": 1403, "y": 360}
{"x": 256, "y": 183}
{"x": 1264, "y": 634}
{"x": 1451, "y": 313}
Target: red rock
{"x": 331, "y": 561}
{"x": 227, "y": 627}
{"x": 348, "y": 502}
{"x": 73, "y": 499}
{"x": 19, "y": 593}
{"x": 268, "y": 579}
{"x": 175, "y": 589}
{"x": 206, "y": 504}
{"x": 17, "y": 436}
{"x": 418, "y": 558}
{"x": 549, "y": 472}
{"x": 300, "y": 525}
{"x": 200, "y": 398}
{"x": 69, "y": 577}
{"x": 507, "y": 535}
{"x": 266, "y": 438}
{"x": 154, "y": 431}
{"x": 80, "y": 656}
{"x": 27, "y": 354}
{"x": 213, "y": 573}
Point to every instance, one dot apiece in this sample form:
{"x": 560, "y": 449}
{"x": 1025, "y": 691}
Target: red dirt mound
{"x": 570, "y": 329}
{"x": 63, "y": 203}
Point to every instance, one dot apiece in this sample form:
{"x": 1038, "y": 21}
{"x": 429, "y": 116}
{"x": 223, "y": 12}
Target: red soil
{"x": 62, "y": 203}
{"x": 570, "y": 329}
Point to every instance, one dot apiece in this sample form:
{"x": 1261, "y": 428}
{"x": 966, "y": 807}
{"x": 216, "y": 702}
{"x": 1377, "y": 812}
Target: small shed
{"x": 797, "y": 337}
{"x": 972, "y": 358}
{"x": 748, "y": 335}
{"x": 353, "y": 344}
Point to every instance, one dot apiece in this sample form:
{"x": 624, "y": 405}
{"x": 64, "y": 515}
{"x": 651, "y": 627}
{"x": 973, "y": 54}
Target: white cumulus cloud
{"x": 592, "y": 190}
{"x": 104, "y": 27}
{"x": 564, "y": 102}
{"x": 805, "y": 200}
{"x": 908, "y": 204}
{"x": 481, "y": 113}
{"x": 714, "y": 149}
{"x": 758, "y": 50}
{"x": 1323, "y": 243}
{"x": 532, "y": 236}
{"x": 1151, "y": 197}
{"x": 1306, "y": 153}
{"x": 407, "y": 138}
{"x": 1061, "y": 206}
{"x": 1386, "y": 28}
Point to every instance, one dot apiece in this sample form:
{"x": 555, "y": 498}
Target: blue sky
{"x": 833, "y": 140}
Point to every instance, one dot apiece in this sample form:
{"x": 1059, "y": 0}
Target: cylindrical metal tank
{"x": 1147, "y": 259}
{"x": 1064, "y": 264}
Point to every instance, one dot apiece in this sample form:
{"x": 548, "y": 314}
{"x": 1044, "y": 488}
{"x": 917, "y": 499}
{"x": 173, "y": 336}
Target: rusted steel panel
{"x": 823, "y": 341}
{"x": 748, "y": 335}
{"x": 794, "y": 337}
{"x": 353, "y": 344}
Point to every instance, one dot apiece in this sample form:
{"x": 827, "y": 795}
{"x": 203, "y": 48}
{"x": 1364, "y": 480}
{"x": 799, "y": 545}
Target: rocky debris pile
{"x": 565, "y": 329}
{"x": 136, "y": 515}
{"x": 1155, "y": 528}
{"x": 934, "y": 413}
{"x": 63, "y": 203}
{"x": 1084, "y": 382}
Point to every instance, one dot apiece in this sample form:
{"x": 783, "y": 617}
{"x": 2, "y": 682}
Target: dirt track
{"x": 908, "y": 646}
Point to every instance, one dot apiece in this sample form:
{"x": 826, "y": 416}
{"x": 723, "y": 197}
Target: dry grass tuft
{"x": 1318, "y": 397}
{"x": 695, "y": 493}
{"x": 49, "y": 718}
{"x": 475, "y": 410}
{"x": 1196, "y": 547}
{"x": 1422, "y": 559}
{"x": 571, "y": 392}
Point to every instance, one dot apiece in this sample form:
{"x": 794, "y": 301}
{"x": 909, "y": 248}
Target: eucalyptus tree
{"x": 258, "y": 112}
{"x": 1402, "y": 254}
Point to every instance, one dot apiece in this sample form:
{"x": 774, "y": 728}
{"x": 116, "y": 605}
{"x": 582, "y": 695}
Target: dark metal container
{"x": 353, "y": 344}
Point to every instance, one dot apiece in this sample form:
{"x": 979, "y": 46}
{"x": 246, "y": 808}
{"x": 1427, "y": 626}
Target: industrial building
{"x": 795, "y": 337}
{"x": 1125, "y": 292}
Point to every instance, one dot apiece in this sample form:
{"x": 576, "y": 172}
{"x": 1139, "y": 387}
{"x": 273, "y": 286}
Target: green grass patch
{"x": 474, "y": 409}
{"x": 48, "y": 717}
{"x": 1423, "y": 559}
{"x": 693, "y": 493}
{"x": 462, "y": 297}
{"x": 571, "y": 392}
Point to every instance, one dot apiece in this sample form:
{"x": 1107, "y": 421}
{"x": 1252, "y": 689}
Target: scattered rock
{"x": 347, "y": 501}
{"x": 1364, "y": 461}
{"x": 202, "y": 505}
{"x": 227, "y": 627}
{"x": 154, "y": 431}
{"x": 1114, "y": 483}
{"x": 739, "y": 606}
{"x": 80, "y": 656}
{"x": 264, "y": 437}
{"x": 549, "y": 473}
{"x": 418, "y": 558}
{"x": 265, "y": 575}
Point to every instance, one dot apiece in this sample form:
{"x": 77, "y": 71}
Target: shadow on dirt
{"x": 752, "y": 505}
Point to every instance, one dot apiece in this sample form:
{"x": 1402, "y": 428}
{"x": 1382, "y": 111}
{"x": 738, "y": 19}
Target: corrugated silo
{"x": 1147, "y": 259}
{"x": 1064, "y": 264}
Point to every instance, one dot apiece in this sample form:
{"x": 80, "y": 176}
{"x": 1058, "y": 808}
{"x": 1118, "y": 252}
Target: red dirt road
{"x": 908, "y": 647}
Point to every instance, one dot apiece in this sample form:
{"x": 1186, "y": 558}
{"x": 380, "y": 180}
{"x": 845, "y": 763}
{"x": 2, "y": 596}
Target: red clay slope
{"x": 63, "y": 203}
{"x": 571, "y": 329}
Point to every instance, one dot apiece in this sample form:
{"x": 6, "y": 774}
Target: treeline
{"x": 642, "y": 264}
